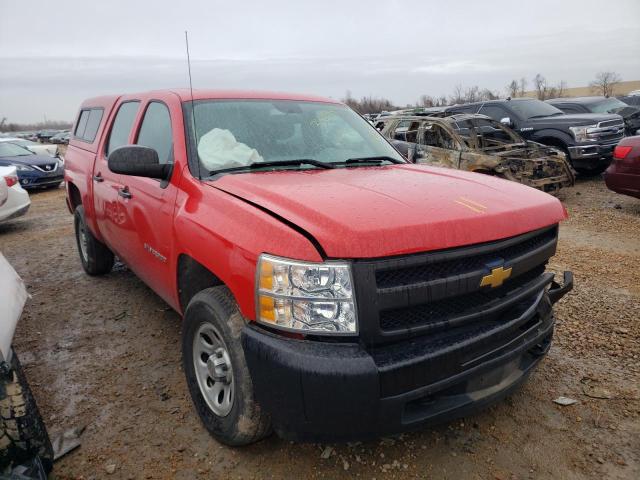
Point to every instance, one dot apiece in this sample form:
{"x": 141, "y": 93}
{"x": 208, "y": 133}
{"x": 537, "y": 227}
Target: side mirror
{"x": 507, "y": 122}
{"x": 138, "y": 161}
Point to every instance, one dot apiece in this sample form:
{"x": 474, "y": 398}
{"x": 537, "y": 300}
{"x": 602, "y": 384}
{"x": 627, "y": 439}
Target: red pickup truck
{"x": 329, "y": 289}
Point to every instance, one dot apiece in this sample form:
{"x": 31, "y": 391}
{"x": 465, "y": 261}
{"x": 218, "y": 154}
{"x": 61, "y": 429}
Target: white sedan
{"x": 35, "y": 147}
{"x": 16, "y": 199}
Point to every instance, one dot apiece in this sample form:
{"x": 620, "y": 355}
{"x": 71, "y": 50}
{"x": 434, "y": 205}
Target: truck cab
{"x": 329, "y": 290}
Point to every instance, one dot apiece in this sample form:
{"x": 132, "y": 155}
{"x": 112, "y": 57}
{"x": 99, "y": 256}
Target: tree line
{"x": 32, "y": 127}
{"x": 604, "y": 84}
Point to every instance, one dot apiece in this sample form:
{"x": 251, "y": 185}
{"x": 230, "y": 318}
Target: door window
{"x": 122, "y": 125}
{"x": 155, "y": 131}
{"x": 436, "y": 136}
{"x": 494, "y": 111}
{"x": 407, "y": 131}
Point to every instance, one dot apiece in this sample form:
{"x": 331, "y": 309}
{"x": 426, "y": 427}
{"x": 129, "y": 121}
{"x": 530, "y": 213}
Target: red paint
{"x": 11, "y": 180}
{"x": 623, "y": 175}
{"x": 351, "y": 212}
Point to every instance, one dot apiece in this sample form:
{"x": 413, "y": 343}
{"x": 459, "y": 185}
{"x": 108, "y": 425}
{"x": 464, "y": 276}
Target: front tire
{"x": 216, "y": 370}
{"x": 96, "y": 258}
{"x": 23, "y": 434}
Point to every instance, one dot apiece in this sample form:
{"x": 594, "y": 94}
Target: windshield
{"x": 238, "y": 133}
{"x": 533, "y": 108}
{"x": 10, "y": 150}
{"x": 608, "y": 105}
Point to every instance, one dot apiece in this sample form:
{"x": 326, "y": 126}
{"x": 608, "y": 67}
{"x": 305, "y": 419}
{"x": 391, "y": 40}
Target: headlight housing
{"x": 22, "y": 167}
{"x": 306, "y": 297}
{"x": 581, "y": 134}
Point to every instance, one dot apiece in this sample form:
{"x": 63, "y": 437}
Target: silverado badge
{"x": 496, "y": 277}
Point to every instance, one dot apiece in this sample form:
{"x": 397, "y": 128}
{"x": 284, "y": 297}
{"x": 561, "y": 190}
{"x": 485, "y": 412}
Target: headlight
{"x": 581, "y": 133}
{"x": 306, "y": 297}
{"x": 22, "y": 168}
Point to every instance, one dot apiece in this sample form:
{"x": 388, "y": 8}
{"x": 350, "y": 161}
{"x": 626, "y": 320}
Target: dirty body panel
{"x": 478, "y": 144}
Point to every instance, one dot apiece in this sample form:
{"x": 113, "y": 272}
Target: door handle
{"x": 124, "y": 192}
{"x": 98, "y": 178}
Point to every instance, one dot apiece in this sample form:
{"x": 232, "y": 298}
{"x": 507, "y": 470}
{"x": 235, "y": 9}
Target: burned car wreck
{"x": 477, "y": 143}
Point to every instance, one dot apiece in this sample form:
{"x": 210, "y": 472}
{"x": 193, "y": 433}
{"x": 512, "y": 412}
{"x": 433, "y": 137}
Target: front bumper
{"x": 321, "y": 391}
{"x": 17, "y": 203}
{"x": 591, "y": 156}
{"x": 622, "y": 180}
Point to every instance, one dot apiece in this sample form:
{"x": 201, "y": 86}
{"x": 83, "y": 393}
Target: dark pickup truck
{"x": 629, "y": 113}
{"x": 588, "y": 139}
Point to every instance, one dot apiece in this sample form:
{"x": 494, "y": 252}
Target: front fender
{"x": 542, "y": 136}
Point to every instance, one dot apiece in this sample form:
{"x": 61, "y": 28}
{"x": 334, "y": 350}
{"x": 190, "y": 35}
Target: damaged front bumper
{"x": 322, "y": 391}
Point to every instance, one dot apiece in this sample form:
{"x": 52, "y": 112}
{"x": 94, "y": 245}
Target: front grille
{"x": 49, "y": 167}
{"x": 416, "y": 295}
{"x": 610, "y": 123}
{"x": 438, "y": 312}
{"x": 427, "y": 272}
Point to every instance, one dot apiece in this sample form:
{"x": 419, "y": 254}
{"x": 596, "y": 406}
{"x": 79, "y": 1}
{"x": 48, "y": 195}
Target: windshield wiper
{"x": 281, "y": 163}
{"x": 378, "y": 160}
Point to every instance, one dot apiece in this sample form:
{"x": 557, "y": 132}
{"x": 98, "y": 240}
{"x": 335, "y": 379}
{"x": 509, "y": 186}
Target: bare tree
{"x": 561, "y": 88}
{"x": 426, "y": 101}
{"x": 457, "y": 96}
{"x": 486, "y": 94}
{"x": 512, "y": 89}
{"x": 605, "y": 83}
{"x": 368, "y": 104}
{"x": 472, "y": 94}
{"x": 540, "y": 84}
{"x": 523, "y": 86}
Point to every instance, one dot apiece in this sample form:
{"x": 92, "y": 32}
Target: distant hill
{"x": 621, "y": 88}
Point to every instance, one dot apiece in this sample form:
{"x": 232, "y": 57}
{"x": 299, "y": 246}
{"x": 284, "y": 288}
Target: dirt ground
{"x": 103, "y": 354}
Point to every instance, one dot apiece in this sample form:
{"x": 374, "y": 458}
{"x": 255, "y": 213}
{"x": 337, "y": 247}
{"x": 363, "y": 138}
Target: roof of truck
{"x": 185, "y": 95}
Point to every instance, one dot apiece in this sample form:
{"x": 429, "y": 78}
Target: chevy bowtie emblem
{"x": 496, "y": 277}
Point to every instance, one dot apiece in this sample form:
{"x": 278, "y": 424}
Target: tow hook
{"x": 557, "y": 291}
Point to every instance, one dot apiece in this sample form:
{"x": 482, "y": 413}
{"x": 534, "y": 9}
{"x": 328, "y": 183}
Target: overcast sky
{"x": 55, "y": 54}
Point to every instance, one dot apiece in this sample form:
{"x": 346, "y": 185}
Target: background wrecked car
{"x": 477, "y": 143}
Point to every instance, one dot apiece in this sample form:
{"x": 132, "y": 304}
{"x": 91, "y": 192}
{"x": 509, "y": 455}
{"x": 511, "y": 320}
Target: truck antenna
{"x": 193, "y": 113}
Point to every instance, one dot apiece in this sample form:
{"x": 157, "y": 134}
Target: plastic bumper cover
{"x": 591, "y": 156}
{"x": 321, "y": 391}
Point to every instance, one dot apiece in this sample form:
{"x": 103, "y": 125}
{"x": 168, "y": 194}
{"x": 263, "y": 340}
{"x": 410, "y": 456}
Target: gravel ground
{"x": 103, "y": 354}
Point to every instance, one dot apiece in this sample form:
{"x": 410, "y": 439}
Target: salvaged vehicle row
{"x": 588, "y": 139}
{"x": 477, "y": 143}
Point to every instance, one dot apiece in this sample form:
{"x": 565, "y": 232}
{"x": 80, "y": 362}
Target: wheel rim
{"x": 83, "y": 241}
{"x": 213, "y": 369}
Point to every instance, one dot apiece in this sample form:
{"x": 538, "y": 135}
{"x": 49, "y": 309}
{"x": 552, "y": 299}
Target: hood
{"x": 373, "y": 212}
{"x": 574, "y": 119}
{"x": 628, "y": 113}
{"x": 35, "y": 159}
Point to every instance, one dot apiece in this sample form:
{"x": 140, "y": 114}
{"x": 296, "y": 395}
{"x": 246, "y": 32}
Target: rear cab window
{"x": 88, "y": 124}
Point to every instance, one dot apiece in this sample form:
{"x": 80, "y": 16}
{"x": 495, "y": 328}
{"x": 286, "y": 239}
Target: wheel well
{"x": 74, "y": 196}
{"x": 193, "y": 277}
{"x": 554, "y": 142}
